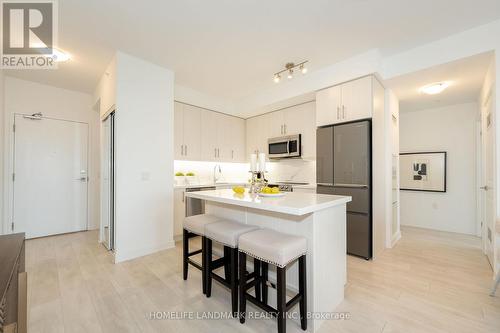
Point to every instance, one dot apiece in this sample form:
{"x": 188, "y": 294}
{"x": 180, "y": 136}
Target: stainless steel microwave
{"x": 285, "y": 146}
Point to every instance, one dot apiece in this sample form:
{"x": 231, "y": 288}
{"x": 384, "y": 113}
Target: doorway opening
{"x": 107, "y": 229}
{"x": 446, "y": 137}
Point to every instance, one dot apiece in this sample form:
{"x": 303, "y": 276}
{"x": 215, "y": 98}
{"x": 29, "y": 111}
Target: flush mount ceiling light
{"x": 434, "y": 88}
{"x": 289, "y": 69}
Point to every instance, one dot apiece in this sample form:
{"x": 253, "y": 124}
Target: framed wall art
{"x": 423, "y": 171}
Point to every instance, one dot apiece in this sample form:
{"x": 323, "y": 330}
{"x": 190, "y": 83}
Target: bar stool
{"x": 194, "y": 226}
{"x": 226, "y": 233}
{"x": 281, "y": 250}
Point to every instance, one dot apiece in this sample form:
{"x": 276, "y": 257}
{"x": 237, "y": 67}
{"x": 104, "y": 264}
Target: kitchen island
{"x": 320, "y": 218}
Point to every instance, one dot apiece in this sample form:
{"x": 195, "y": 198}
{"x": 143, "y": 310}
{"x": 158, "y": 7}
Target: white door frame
{"x": 9, "y": 188}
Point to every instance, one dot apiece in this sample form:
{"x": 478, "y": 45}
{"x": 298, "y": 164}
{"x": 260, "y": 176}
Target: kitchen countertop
{"x": 291, "y": 203}
{"x": 210, "y": 185}
{"x": 305, "y": 186}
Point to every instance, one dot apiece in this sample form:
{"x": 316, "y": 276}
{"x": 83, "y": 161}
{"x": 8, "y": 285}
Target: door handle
{"x": 486, "y": 188}
{"x": 351, "y": 185}
{"x": 82, "y": 179}
{"x": 325, "y": 184}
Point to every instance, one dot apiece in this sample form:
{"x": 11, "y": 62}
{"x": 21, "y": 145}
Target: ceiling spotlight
{"x": 58, "y": 55}
{"x": 434, "y": 88}
{"x": 289, "y": 69}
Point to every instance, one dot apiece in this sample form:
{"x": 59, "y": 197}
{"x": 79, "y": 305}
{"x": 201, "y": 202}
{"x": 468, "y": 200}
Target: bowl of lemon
{"x": 271, "y": 192}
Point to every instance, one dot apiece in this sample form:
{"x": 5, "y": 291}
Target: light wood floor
{"x": 430, "y": 282}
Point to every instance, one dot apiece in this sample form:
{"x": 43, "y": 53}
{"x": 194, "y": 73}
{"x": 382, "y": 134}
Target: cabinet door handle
{"x": 183, "y": 195}
{"x": 281, "y": 129}
{"x": 232, "y": 154}
{"x": 343, "y": 111}
{"x": 284, "y": 129}
{"x": 338, "y": 112}
{"x": 185, "y": 150}
{"x": 215, "y": 152}
{"x": 182, "y": 150}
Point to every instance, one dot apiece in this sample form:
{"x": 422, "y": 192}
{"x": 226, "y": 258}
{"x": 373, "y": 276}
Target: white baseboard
{"x": 395, "y": 238}
{"x": 129, "y": 254}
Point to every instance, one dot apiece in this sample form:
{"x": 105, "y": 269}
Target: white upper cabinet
{"x": 328, "y": 104}
{"x": 257, "y": 131}
{"x": 346, "y": 102}
{"x": 357, "y": 99}
{"x": 192, "y": 132}
{"x": 203, "y": 135}
{"x": 187, "y": 126}
{"x": 209, "y": 136}
{"x": 299, "y": 119}
{"x": 178, "y": 131}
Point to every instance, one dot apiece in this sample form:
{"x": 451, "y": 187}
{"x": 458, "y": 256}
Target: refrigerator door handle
{"x": 325, "y": 184}
{"x": 351, "y": 185}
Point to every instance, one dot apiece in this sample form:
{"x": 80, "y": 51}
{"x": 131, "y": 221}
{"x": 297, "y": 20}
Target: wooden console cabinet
{"x": 13, "y": 284}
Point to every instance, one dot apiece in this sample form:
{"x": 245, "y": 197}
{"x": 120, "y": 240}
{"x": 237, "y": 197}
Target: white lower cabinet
{"x": 179, "y": 212}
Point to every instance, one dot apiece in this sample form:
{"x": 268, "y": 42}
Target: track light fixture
{"x": 289, "y": 69}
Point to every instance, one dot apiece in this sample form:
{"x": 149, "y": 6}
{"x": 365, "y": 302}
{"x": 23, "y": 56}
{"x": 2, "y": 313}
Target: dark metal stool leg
{"x": 227, "y": 264}
{"x": 242, "y": 284}
{"x": 233, "y": 258}
{"x": 185, "y": 252}
{"x": 256, "y": 269}
{"x": 281, "y": 299}
{"x": 203, "y": 264}
{"x": 303, "y": 292}
{"x": 265, "y": 269}
{"x": 208, "y": 264}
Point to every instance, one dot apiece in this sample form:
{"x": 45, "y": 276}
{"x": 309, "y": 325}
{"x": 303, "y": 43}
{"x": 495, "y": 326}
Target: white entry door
{"x": 488, "y": 183}
{"x": 50, "y": 176}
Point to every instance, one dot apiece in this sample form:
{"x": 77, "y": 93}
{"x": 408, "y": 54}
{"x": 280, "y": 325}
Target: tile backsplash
{"x": 297, "y": 170}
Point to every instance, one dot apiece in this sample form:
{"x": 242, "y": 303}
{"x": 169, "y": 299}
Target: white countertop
{"x": 222, "y": 184}
{"x": 292, "y": 203}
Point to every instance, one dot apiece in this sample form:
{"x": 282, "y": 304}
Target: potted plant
{"x": 179, "y": 178}
{"x": 191, "y": 178}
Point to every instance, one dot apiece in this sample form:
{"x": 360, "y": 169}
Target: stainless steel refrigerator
{"x": 344, "y": 154}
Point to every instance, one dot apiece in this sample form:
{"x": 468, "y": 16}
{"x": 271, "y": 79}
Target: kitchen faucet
{"x": 218, "y": 170}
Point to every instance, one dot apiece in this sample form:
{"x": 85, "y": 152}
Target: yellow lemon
{"x": 275, "y": 190}
{"x": 239, "y": 189}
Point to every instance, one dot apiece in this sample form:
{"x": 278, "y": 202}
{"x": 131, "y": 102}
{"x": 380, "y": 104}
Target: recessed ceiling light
{"x": 434, "y": 88}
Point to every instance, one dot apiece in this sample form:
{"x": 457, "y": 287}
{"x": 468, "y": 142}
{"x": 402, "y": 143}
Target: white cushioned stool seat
{"x": 196, "y": 223}
{"x": 272, "y": 246}
{"x": 227, "y": 232}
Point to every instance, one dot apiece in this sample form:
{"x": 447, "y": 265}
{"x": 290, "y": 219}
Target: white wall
{"x": 451, "y": 129}
{"x": 144, "y": 154}
{"x": 29, "y": 97}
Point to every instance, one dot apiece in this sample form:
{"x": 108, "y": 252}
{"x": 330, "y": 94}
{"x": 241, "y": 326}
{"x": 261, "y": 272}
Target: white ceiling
{"x": 466, "y": 77}
{"x": 230, "y": 49}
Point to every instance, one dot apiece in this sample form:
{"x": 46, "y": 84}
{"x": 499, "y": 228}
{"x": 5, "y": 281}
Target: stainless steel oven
{"x": 285, "y": 146}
